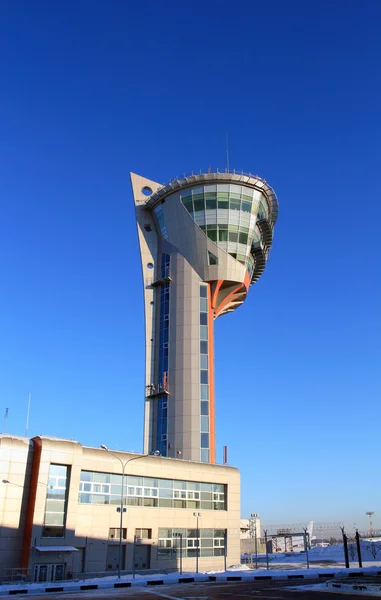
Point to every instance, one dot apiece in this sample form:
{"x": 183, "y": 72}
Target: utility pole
{"x": 345, "y": 545}
{"x": 358, "y": 546}
{"x": 267, "y": 552}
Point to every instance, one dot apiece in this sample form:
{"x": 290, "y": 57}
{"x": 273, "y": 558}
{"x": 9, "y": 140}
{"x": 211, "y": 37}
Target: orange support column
{"x": 212, "y": 431}
{"x": 27, "y": 539}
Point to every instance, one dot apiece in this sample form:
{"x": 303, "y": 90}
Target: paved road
{"x": 272, "y": 590}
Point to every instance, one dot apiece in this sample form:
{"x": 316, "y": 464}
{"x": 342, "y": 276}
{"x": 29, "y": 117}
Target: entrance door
{"x": 112, "y": 563}
{"x": 41, "y": 573}
{"x": 58, "y": 572}
{"x": 44, "y": 573}
{"x": 142, "y": 556}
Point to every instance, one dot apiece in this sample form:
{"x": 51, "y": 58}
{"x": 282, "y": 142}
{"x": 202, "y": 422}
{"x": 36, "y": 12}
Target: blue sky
{"x": 92, "y": 90}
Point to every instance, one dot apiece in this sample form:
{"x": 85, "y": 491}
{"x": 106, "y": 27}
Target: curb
{"x": 20, "y": 589}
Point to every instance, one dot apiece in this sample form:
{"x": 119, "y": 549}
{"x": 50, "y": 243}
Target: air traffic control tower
{"x": 204, "y": 240}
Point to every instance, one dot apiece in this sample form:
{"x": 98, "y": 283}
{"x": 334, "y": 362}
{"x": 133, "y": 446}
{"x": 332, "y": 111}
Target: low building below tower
{"x": 60, "y": 511}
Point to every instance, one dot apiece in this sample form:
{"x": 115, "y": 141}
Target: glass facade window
{"x": 262, "y": 214}
{"x": 56, "y": 501}
{"x": 204, "y": 376}
{"x": 205, "y": 542}
{"x": 106, "y": 488}
{"x": 228, "y": 215}
{"x": 160, "y": 221}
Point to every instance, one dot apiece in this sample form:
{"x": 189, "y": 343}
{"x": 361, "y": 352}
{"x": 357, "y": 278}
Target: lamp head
{"x": 104, "y": 447}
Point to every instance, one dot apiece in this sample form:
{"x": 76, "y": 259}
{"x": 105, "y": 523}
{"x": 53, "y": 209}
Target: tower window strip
{"x": 162, "y": 401}
{"x": 204, "y": 376}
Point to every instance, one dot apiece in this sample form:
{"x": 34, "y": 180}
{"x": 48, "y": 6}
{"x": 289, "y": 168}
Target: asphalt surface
{"x": 273, "y": 590}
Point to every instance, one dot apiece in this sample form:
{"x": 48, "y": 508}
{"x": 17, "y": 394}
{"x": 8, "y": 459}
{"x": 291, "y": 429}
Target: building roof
{"x": 235, "y": 176}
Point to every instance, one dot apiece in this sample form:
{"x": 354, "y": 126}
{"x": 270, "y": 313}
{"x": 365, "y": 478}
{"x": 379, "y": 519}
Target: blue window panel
{"x": 204, "y": 455}
{"x": 204, "y": 392}
{"x": 203, "y": 332}
{"x": 204, "y": 361}
{"x": 203, "y": 305}
{"x": 204, "y": 408}
{"x": 203, "y": 347}
{"x": 203, "y": 318}
{"x": 204, "y": 376}
{"x": 203, "y": 291}
{"x": 204, "y": 424}
{"x": 205, "y": 440}
{"x": 165, "y": 263}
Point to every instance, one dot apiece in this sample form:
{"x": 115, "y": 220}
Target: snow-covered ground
{"x": 244, "y": 572}
{"x": 323, "y": 561}
{"x": 331, "y": 555}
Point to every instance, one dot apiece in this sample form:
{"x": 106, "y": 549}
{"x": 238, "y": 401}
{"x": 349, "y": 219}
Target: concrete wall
{"x": 16, "y": 455}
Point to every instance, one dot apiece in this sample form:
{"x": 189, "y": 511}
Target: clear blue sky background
{"x": 91, "y": 90}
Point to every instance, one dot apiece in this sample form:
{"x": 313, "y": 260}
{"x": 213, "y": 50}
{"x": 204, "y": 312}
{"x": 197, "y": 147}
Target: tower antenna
{"x": 27, "y": 417}
{"x": 227, "y": 153}
{"x": 6, "y": 420}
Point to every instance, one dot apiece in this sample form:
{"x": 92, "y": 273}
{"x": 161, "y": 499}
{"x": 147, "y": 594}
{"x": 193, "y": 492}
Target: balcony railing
{"x": 157, "y": 281}
{"x": 154, "y": 390}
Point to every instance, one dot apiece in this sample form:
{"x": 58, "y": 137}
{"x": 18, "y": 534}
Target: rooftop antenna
{"x": 27, "y": 417}
{"x": 6, "y": 420}
{"x": 227, "y": 154}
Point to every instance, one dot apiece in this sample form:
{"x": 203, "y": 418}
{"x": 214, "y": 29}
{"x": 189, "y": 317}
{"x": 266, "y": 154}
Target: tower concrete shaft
{"x": 204, "y": 240}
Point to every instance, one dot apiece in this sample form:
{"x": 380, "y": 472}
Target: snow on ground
{"x": 141, "y": 580}
{"x": 322, "y": 561}
{"x": 370, "y": 554}
{"x": 372, "y": 590}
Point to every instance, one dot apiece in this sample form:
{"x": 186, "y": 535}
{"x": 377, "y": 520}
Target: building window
{"x": 114, "y": 533}
{"x": 209, "y": 542}
{"x": 143, "y": 534}
{"x": 160, "y": 220}
{"x": 212, "y": 258}
{"x": 106, "y": 488}
{"x": 56, "y": 501}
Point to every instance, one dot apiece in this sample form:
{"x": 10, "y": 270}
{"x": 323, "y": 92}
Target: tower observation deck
{"x": 204, "y": 240}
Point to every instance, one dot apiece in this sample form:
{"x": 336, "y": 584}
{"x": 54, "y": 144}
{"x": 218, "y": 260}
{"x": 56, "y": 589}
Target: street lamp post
{"x": 123, "y": 465}
{"x": 197, "y": 515}
{"x": 267, "y": 552}
{"x": 180, "y": 535}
